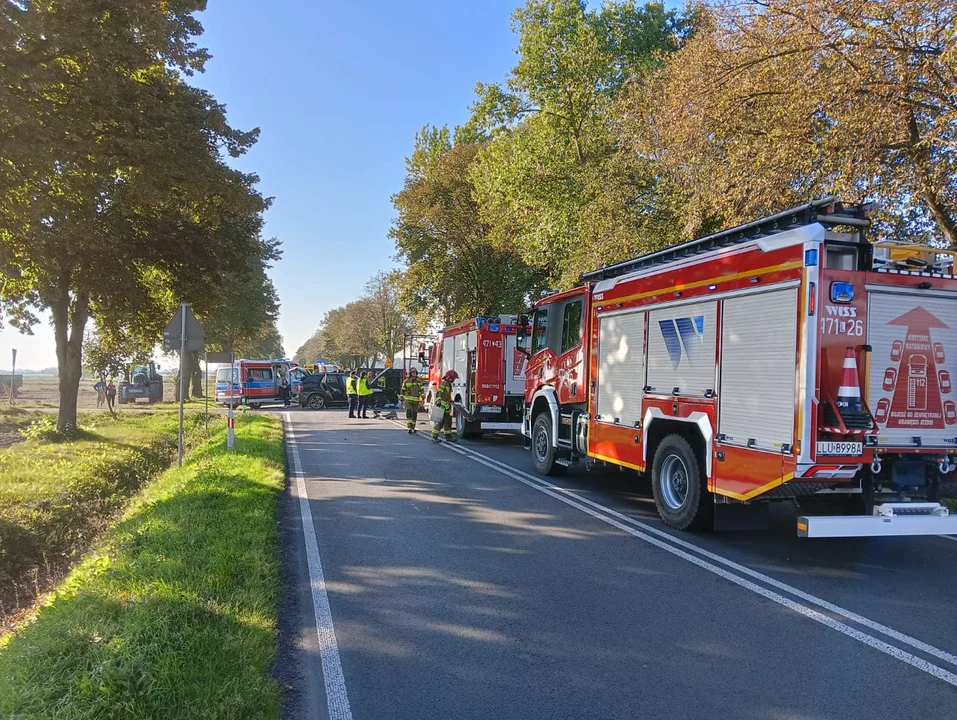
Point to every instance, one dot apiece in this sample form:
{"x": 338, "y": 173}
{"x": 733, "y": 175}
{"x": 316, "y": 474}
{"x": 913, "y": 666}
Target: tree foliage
{"x": 454, "y": 269}
{"x": 772, "y": 103}
{"x": 359, "y": 334}
{"x": 116, "y": 201}
{"x": 553, "y": 181}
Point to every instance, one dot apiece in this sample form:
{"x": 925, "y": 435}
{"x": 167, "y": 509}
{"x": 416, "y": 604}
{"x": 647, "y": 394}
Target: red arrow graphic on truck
{"x": 917, "y": 393}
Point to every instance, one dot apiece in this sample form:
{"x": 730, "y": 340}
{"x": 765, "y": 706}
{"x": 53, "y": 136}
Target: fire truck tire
{"x": 467, "y": 430}
{"x": 544, "y": 452}
{"x": 678, "y": 485}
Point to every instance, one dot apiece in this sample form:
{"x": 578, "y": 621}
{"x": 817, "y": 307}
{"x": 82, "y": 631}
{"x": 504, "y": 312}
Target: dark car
{"x": 321, "y": 390}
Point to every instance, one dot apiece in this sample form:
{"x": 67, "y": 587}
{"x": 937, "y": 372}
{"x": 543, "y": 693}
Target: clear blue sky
{"x": 339, "y": 90}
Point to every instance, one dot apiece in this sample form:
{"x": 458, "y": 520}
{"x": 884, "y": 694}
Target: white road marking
{"x": 824, "y": 604}
{"x": 948, "y": 537}
{"x": 563, "y": 496}
{"x": 336, "y": 696}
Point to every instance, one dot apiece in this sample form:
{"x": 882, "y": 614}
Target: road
{"x": 428, "y": 581}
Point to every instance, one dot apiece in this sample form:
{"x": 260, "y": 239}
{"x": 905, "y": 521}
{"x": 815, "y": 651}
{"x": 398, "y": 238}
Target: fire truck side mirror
{"x": 421, "y": 357}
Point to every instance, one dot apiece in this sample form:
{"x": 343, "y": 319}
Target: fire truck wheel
{"x": 678, "y": 484}
{"x": 467, "y": 430}
{"x": 544, "y": 453}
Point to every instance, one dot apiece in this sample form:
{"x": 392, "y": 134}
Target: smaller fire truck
{"x": 256, "y": 382}
{"x": 488, "y": 394}
{"x": 787, "y": 359}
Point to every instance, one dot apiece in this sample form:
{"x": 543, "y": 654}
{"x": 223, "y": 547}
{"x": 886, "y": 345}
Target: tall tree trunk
{"x": 943, "y": 216}
{"x": 69, "y": 323}
{"x": 195, "y": 373}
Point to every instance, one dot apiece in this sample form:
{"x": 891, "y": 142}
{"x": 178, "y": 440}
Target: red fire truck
{"x": 489, "y": 392}
{"x": 742, "y": 368}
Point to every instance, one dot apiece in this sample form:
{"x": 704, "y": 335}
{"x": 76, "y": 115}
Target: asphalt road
{"x": 454, "y": 583}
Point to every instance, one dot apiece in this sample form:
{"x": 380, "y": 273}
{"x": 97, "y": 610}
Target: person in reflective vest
{"x": 364, "y": 392}
{"x": 411, "y": 399}
{"x": 352, "y": 393}
{"x": 443, "y": 399}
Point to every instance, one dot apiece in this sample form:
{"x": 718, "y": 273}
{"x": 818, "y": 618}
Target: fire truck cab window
{"x": 540, "y": 329}
{"x": 572, "y": 325}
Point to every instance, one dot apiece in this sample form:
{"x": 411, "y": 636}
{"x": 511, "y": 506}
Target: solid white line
{"x": 336, "y": 697}
{"x": 948, "y": 537}
{"x": 824, "y": 604}
{"x": 869, "y": 640}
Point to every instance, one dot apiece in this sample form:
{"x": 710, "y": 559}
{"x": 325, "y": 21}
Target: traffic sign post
{"x": 222, "y": 357}
{"x": 185, "y": 331}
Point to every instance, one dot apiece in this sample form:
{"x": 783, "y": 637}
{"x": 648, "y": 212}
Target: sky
{"x": 339, "y": 90}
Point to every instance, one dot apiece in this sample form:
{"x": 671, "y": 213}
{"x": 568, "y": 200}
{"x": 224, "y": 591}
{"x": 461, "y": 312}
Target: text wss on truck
{"x": 256, "y": 382}
{"x": 788, "y": 358}
{"x": 489, "y": 392}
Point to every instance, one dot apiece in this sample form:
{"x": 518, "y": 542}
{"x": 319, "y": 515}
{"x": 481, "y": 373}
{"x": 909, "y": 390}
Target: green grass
{"x": 56, "y": 496}
{"x": 173, "y": 615}
{"x": 951, "y": 503}
{"x": 14, "y": 419}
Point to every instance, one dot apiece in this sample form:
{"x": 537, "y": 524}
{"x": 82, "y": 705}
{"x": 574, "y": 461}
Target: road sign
{"x": 173, "y": 334}
{"x": 219, "y": 357}
{"x": 388, "y": 364}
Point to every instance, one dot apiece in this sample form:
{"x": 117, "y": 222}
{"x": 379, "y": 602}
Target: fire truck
{"x": 785, "y": 359}
{"x": 256, "y": 382}
{"x": 489, "y": 392}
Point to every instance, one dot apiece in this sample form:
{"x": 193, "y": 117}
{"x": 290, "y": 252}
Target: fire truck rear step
{"x": 888, "y": 520}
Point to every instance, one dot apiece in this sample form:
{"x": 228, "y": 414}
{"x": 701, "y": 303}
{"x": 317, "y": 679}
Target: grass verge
{"x": 173, "y": 615}
{"x": 56, "y": 496}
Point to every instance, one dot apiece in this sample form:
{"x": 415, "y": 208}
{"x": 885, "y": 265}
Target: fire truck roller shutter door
{"x": 448, "y": 354}
{"x": 920, "y": 397}
{"x": 758, "y": 347}
{"x": 621, "y": 361}
{"x": 681, "y": 345}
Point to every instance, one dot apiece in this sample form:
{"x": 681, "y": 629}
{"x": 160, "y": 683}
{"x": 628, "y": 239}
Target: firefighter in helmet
{"x": 443, "y": 398}
{"x": 411, "y": 398}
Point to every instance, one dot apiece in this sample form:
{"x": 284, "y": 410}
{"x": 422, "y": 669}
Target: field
{"x": 42, "y": 392}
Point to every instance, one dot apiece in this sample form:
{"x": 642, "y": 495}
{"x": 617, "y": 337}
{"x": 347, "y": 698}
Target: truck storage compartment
{"x": 757, "y": 385}
{"x": 621, "y": 367}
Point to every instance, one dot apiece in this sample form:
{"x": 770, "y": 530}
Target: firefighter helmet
{"x": 413, "y": 371}
{"x": 451, "y": 376}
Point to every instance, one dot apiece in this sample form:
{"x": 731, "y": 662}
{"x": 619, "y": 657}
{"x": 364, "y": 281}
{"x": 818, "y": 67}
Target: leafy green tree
{"x": 388, "y": 323}
{"x": 115, "y": 194}
{"x": 553, "y": 181}
{"x": 454, "y": 269}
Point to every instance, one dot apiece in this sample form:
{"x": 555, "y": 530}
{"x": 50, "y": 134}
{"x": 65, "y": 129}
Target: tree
{"x": 454, "y": 269}
{"x": 553, "y": 180}
{"x": 772, "y": 103}
{"x": 115, "y": 193}
{"x": 388, "y": 323}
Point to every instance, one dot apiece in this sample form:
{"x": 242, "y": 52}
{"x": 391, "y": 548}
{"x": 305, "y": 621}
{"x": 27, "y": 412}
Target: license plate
{"x": 490, "y": 409}
{"x": 848, "y": 449}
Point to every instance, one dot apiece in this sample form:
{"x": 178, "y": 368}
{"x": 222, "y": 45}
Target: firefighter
{"x": 364, "y": 393}
{"x": 352, "y": 393}
{"x": 443, "y": 398}
{"x": 411, "y": 398}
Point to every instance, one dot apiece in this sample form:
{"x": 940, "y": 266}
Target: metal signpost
{"x": 183, "y": 330}
{"x": 226, "y": 357}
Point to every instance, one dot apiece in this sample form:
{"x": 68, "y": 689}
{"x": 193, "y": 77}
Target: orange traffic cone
{"x": 849, "y": 402}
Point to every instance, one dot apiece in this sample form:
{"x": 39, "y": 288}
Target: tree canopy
{"x": 772, "y": 103}
{"x": 117, "y": 201}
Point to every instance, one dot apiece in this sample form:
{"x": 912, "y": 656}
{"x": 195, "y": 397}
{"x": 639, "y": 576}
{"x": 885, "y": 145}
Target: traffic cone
{"x": 849, "y": 403}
